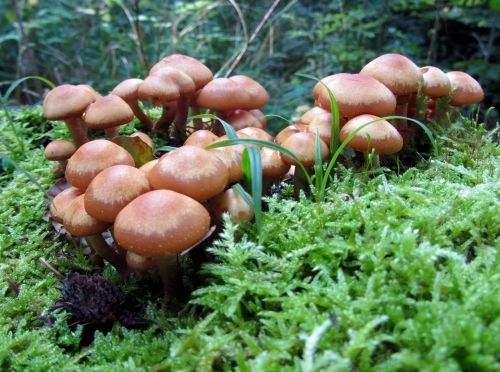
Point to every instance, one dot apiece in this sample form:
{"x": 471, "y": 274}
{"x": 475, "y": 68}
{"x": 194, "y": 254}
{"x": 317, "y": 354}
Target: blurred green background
{"x": 104, "y": 42}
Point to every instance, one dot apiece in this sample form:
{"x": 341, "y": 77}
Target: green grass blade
{"x": 271, "y": 145}
{"x": 231, "y": 133}
{"x": 251, "y": 164}
{"x": 318, "y": 166}
{"x": 166, "y": 148}
{"x": 17, "y": 82}
{"x": 245, "y": 195}
{"x": 270, "y": 116}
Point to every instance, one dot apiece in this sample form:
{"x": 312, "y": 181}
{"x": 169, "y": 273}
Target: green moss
{"x": 392, "y": 272}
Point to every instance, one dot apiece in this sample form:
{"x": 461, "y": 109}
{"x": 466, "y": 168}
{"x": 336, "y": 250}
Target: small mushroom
{"x": 231, "y": 202}
{"x": 466, "y": 89}
{"x": 61, "y": 151}
{"x": 108, "y": 113}
{"x": 128, "y": 90}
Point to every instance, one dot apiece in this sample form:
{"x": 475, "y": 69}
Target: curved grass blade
{"x": 166, "y": 148}
{"x": 245, "y": 195}
{"x": 231, "y": 133}
{"x": 288, "y": 121}
{"x": 318, "y": 166}
{"x": 251, "y": 164}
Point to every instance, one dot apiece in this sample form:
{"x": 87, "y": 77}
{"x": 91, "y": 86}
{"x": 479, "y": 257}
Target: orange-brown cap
{"x": 196, "y": 70}
{"x": 310, "y": 114}
{"x": 224, "y": 95}
{"x": 436, "y": 83}
{"x": 61, "y": 202}
{"x": 93, "y": 157}
{"x": 272, "y": 163}
{"x": 201, "y": 138}
{"x": 466, "y": 89}
{"x": 66, "y": 101}
{"x": 78, "y": 222}
{"x": 288, "y": 131}
{"x": 192, "y": 171}
{"x": 231, "y": 202}
{"x": 138, "y": 262}
{"x": 242, "y": 119}
{"x": 146, "y": 168}
{"x": 255, "y": 133}
{"x": 358, "y": 94}
{"x": 381, "y": 136}
{"x": 161, "y": 222}
{"x": 108, "y": 112}
{"x": 303, "y": 145}
{"x": 128, "y": 89}
{"x": 258, "y": 94}
{"x": 144, "y": 138}
{"x": 184, "y": 83}
{"x": 161, "y": 89}
{"x": 231, "y": 157}
{"x": 112, "y": 189}
{"x": 396, "y": 72}
{"x": 59, "y": 150}
{"x": 259, "y": 115}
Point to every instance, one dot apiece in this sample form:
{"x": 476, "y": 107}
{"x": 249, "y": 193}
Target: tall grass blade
{"x": 231, "y": 133}
{"x": 251, "y": 164}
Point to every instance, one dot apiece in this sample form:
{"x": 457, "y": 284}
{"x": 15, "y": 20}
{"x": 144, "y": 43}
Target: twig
{"x": 255, "y": 33}
{"x": 50, "y": 268}
{"x": 13, "y": 285}
{"x": 140, "y": 35}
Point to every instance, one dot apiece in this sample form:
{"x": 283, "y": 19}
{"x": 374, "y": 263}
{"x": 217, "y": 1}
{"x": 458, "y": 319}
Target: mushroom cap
{"x": 59, "y": 150}
{"x": 67, "y": 101}
{"x": 144, "y": 138}
{"x": 78, "y": 222}
{"x": 231, "y": 156}
{"x": 319, "y": 87}
{"x": 288, "y": 131}
{"x": 303, "y": 145}
{"x": 242, "y": 119}
{"x": 197, "y": 71}
{"x": 161, "y": 222}
{"x": 436, "y": 83}
{"x": 184, "y": 83}
{"x": 61, "y": 202}
{"x": 201, "y": 138}
{"x": 224, "y": 95}
{"x": 255, "y": 133}
{"x": 396, "y": 72}
{"x": 258, "y": 94}
{"x": 93, "y": 157}
{"x": 138, "y": 262}
{"x": 112, "y": 189}
{"x": 89, "y": 89}
{"x": 108, "y": 112}
{"x": 259, "y": 115}
{"x": 146, "y": 168}
{"x": 192, "y": 171}
{"x": 272, "y": 163}
{"x": 128, "y": 89}
{"x": 231, "y": 202}
{"x": 384, "y": 138}
{"x": 323, "y": 124}
{"x": 310, "y": 114}
{"x": 466, "y": 89}
{"x": 158, "y": 88}
{"x": 358, "y": 94}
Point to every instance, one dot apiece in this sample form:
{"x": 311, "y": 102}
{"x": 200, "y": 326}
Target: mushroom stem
{"x": 181, "y": 114}
{"x": 300, "y": 181}
{"x": 78, "y": 130}
{"x": 111, "y": 132}
{"x": 169, "y": 269}
{"x": 98, "y": 243}
{"x": 406, "y": 131}
{"x": 136, "y": 109}
{"x": 166, "y": 118}
{"x": 195, "y": 110}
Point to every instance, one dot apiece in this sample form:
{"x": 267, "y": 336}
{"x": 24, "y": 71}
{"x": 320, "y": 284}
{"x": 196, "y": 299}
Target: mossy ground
{"x": 395, "y": 271}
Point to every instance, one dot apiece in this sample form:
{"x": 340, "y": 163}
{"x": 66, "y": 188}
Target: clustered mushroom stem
{"x": 169, "y": 270}
{"x": 181, "y": 114}
{"x": 78, "y": 130}
{"x": 300, "y": 181}
{"x": 98, "y": 243}
{"x": 165, "y": 119}
{"x": 195, "y": 110}
{"x": 401, "y": 125}
{"x": 136, "y": 109}
{"x": 111, "y": 132}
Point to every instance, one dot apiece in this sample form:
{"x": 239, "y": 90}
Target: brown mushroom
{"x": 61, "y": 151}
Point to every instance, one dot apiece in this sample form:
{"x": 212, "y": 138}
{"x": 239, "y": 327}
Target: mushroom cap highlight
{"x": 396, "y": 72}
{"x": 67, "y": 101}
{"x": 197, "y": 71}
{"x": 436, "y": 83}
{"x": 93, "y": 157}
{"x": 466, "y": 89}
{"x": 112, "y": 189}
{"x": 224, "y": 95}
{"x": 161, "y": 222}
{"x": 192, "y": 171}
{"x": 383, "y": 137}
{"x": 258, "y": 94}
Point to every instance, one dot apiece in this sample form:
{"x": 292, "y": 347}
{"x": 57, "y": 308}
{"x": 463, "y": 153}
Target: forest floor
{"x": 396, "y": 270}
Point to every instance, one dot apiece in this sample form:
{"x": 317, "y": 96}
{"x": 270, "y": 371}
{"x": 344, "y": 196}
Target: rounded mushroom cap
{"x": 224, "y": 95}
{"x": 381, "y": 136}
{"x": 196, "y": 70}
{"x": 259, "y": 115}
{"x": 255, "y": 133}
{"x": 93, "y": 157}
{"x": 161, "y": 89}
{"x": 201, "y": 138}
{"x": 322, "y": 124}
{"x": 61, "y": 202}
{"x": 396, "y": 72}
{"x": 231, "y": 202}
{"x": 258, "y": 94}
{"x": 112, "y": 189}
{"x": 288, "y": 131}
{"x": 89, "y": 89}
{"x": 128, "y": 89}
{"x": 358, "y": 94}
{"x": 310, "y": 114}
{"x": 436, "y": 83}
{"x": 146, "y": 168}
{"x": 78, "y": 222}
{"x": 59, "y": 150}
{"x": 231, "y": 157}
{"x": 242, "y": 119}
{"x": 272, "y": 163}
{"x": 161, "y": 222}
{"x": 108, "y": 112}
{"x": 184, "y": 83}
{"x": 144, "y": 138}
{"x": 466, "y": 89}
{"x": 66, "y": 101}
{"x": 192, "y": 171}
{"x": 303, "y": 145}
